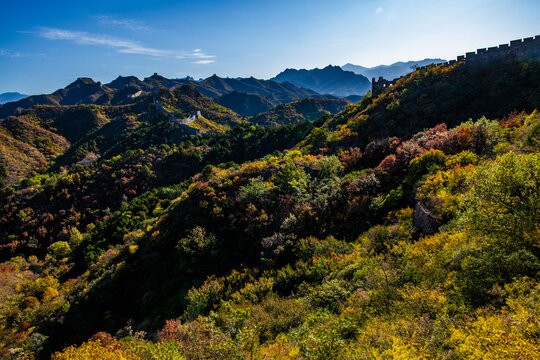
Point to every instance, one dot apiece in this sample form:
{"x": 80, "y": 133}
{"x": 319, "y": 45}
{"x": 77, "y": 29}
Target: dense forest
{"x": 406, "y": 226}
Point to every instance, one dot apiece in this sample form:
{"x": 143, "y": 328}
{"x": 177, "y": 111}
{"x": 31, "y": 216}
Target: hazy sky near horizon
{"x": 47, "y": 44}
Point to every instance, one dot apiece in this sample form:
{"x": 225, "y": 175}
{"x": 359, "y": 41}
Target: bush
{"x": 198, "y": 243}
{"x": 464, "y": 158}
{"x": 504, "y": 200}
{"x": 92, "y": 350}
{"x": 59, "y": 249}
{"x": 426, "y": 164}
{"x": 292, "y": 179}
{"x": 256, "y": 190}
{"x": 330, "y": 167}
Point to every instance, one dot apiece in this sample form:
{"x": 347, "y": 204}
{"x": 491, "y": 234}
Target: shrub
{"x": 292, "y": 179}
{"x": 255, "y": 190}
{"x": 426, "y": 164}
{"x": 59, "y": 249}
{"x": 463, "y": 158}
{"x": 275, "y": 315}
{"x": 92, "y": 350}
{"x": 504, "y": 200}
{"x": 330, "y": 167}
{"x": 198, "y": 243}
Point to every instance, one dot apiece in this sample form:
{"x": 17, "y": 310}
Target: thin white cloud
{"x": 10, "y": 54}
{"x": 83, "y": 38}
{"x": 120, "y": 45}
{"x": 15, "y": 54}
{"x": 204, "y": 62}
{"x": 129, "y": 24}
{"x": 379, "y": 10}
{"x": 198, "y": 53}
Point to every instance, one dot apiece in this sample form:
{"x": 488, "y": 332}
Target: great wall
{"x": 527, "y": 47}
{"x": 183, "y": 123}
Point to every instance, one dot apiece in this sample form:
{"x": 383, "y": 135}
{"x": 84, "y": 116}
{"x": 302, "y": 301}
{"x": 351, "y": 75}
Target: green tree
{"x": 330, "y": 167}
{"x": 292, "y": 178}
{"x": 59, "y": 249}
{"x": 504, "y": 199}
{"x": 256, "y": 189}
{"x": 502, "y": 217}
{"x": 198, "y": 243}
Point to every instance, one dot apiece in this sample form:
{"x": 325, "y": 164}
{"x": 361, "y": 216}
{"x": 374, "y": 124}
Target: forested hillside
{"x": 405, "y": 226}
{"x": 303, "y": 110}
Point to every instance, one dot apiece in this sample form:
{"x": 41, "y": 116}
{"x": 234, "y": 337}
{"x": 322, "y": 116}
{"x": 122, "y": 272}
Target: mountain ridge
{"x": 331, "y": 80}
{"x": 391, "y": 71}
{"x": 124, "y": 90}
{"x": 11, "y": 96}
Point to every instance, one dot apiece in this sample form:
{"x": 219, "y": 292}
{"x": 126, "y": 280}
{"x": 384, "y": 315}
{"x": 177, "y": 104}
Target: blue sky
{"x": 47, "y": 44}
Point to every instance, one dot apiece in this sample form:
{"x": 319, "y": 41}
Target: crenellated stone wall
{"x": 380, "y": 84}
{"x": 522, "y": 47}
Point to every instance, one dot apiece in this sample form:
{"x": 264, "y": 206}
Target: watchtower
{"x": 380, "y": 84}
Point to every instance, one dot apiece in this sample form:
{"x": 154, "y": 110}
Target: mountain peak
{"x": 81, "y": 82}
{"x": 131, "y": 77}
{"x": 157, "y": 77}
{"x": 188, "y": 90}
{"x": 125, "y": 81}
{"x": 11, "y": 96}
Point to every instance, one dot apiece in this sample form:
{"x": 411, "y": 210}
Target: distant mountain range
{"x": 245, "y": 96}
{"x": 215, "y": 86}
{"x": 11, "y": 96}
{"x": 274, "y": 91}
{"x": 331, "y": 80}
{"x": 389, "y": 72}
{"x": 124, "y": 90}
{"x": 81, "y": 91}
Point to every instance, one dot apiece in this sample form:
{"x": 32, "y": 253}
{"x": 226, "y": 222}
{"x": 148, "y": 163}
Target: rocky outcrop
{"x": 424, "y": 220}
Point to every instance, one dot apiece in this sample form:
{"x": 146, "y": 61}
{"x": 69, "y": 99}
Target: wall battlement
{"x": 521, "y": 47}
{"x": 377, "y": 85}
